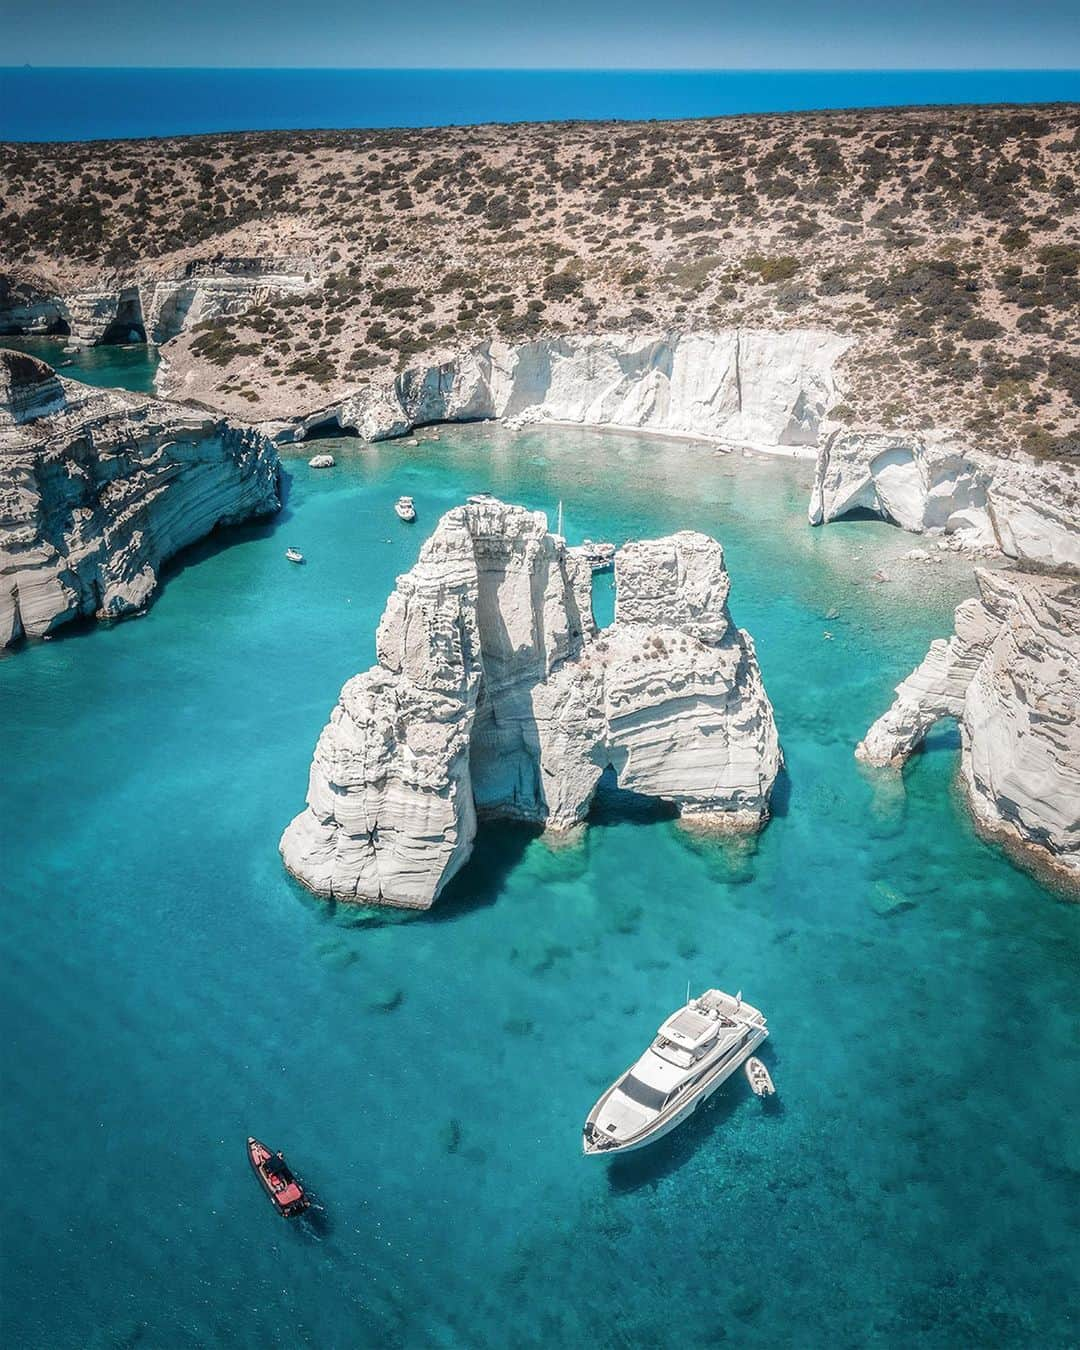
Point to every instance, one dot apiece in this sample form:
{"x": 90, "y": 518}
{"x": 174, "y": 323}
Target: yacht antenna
{"x": 688, "y": 991}
{"x": 558, "y": 530}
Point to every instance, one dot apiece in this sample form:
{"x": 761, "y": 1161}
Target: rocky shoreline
{"x": 98, "y": 488}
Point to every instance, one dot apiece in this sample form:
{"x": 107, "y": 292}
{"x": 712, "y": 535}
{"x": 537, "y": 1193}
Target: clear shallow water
{"x": 93, "y": 104}
{"x": 169, "y": 990}
{"x": 109, "y": 367}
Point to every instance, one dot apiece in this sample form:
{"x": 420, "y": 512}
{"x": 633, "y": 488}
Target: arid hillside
{"x": 944, "y": 240}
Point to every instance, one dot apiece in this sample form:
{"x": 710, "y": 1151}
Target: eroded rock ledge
{"x": 99, "y": 487}
{"x": 1011, "y": 675}
{"x": 1027, "y": 508}
{"x": 495, "y": 695}
{"x": 746, "y": 386}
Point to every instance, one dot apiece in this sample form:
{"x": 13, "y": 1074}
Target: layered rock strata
{"x": 99, "y": 487}
{"x": 1029, "y": 509}
{"x": 495, "y": 695}
{"x": 746, "y": 386}
{"x": 1011, "y": 675}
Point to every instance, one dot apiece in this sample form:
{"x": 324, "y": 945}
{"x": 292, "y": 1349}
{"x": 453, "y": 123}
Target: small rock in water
{"x": 917, "y": 554}
{"x": 888, "y": 903}
{"x": 386, "y": 1000}
{"x": 450, "y": 1136}
{"x": 880, "y": 576}
{"x": 321, "y": 462}
{"x": 832, "y": 614}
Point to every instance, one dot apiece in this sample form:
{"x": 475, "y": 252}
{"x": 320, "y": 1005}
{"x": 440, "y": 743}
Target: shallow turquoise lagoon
{"x": 111, "y": 366}
{"x": 169, "y": 990}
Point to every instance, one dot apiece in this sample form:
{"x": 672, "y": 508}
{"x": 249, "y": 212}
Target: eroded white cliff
{"x": 1011, "y": 675}
{"x": 1027, "y": 508}
{"x": 494, "y": 695}
{"x": 746, "y": 386}
{"x": 99, "y": 487}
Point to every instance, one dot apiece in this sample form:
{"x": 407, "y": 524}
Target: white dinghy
{"x": 759, "y": 1078}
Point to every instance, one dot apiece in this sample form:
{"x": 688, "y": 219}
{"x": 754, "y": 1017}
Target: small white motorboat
{"x": 759, "y": 1078}
{"x": 405, "y": 508}
{"x": 294, "y": 555}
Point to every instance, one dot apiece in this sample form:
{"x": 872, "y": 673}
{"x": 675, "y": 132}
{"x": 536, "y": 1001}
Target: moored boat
{"x": 285, "y": 1190}
{"x": 599, "y": 556}
{"x": 294, "y": 555}
{"x": 696, "y": 1049}
{"x": 405, "y": 508}
{"x": 759, "y": 1077}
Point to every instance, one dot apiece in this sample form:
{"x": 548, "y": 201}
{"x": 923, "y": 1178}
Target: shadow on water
{"x": 614, "y": 805}
{"x": 780, "y": 801}
{"x": 499, "y": 848}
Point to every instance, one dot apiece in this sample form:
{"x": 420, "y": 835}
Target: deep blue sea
{"x": 92, "y": 104}
{"x": 169, "y": 990}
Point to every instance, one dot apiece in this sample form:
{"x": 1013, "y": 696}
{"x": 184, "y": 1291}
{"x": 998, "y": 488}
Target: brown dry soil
{"x": 944, "y": 239}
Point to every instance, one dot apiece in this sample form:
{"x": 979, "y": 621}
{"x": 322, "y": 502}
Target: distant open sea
{"x": 103, "y": 104}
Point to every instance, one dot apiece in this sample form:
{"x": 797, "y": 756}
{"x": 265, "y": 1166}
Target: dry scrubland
{"x": 945, "y": 240}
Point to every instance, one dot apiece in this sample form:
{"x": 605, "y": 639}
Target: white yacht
{"x": 405, "y": 508}
{"x": 695, "y": 1050}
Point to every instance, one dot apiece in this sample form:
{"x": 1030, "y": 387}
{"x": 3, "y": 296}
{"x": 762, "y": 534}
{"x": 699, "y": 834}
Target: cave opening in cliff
{"x": 330, "y": 429}
{"x": 127, "y": 328}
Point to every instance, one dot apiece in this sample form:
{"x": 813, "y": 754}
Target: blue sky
{"x": 711, "y": 34}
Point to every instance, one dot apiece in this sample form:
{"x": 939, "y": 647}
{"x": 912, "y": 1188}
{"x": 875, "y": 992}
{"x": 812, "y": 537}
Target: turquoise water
{"x": 168, "y": 990}
{"x": 68, "y": 104}
{"x": 108, "y": 367}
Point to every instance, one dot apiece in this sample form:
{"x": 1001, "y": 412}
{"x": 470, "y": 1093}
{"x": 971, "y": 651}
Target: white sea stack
{"x": 494, "y": 695}
{"x": 321, "y": 462}
{"x": 99, "y": 487}
{"x": 1011, "y": 675}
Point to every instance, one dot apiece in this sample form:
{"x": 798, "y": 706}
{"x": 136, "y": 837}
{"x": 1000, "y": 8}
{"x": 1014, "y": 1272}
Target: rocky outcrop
{"x": 150, "y": 308}
{"x": 1011, "y": 675}
{"x": 746, "y": 386}
{"x": 495, "y": 696}
{"x": 99, "y": 487}
{"x": 1027, "y": 508}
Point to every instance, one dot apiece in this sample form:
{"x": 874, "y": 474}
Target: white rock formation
{"x": 147, "y": 307}
{"x": 1011, "y": 674}
{"x": 746, "y": 386}
{"x": 494, "y": 695}
{"x": 1027, "y": 508}
{"x": 99, "y": 487}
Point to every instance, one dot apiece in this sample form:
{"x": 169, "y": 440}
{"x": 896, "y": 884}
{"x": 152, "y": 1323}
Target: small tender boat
{"x": 294, "y": 555}
{"x": 696, "y": 1049}
{"x": 277, "y": 1179}
{"x": 759, "y": 1077}
{"x": 600, "y": 557}
{"x": 405, "y": 508}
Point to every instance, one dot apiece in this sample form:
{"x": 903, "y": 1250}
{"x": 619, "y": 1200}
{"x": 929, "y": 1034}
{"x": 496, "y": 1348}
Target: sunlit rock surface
{"x": 1011, "y": 675}
{"x": 99, "y": 487}
{"x": 494, "y": 695}
{"x": 747, "y": 386}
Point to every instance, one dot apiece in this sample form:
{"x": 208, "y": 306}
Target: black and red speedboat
{"x": 284, "y": 1189}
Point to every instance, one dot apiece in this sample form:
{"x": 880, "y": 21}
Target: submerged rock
{"x": 1011, "y": 675}
{"x": 99, "y": 487}
{"x": 495, "y": 695}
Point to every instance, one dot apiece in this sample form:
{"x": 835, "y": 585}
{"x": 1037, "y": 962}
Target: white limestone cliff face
{"x": 1011, "y": 674}
{"x": 150, "y": 308}
{"x": 99, "y": 487}
{"x": 746, "y": 386}
{"x": 1027, "y": 508}
{"x": 495, "y": 696}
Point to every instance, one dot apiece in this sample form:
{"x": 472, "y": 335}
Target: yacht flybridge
{"x": 695, "y": 1050}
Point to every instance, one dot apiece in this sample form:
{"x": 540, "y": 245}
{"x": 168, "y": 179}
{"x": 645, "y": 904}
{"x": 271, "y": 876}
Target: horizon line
{"x": 585, "y": 70}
